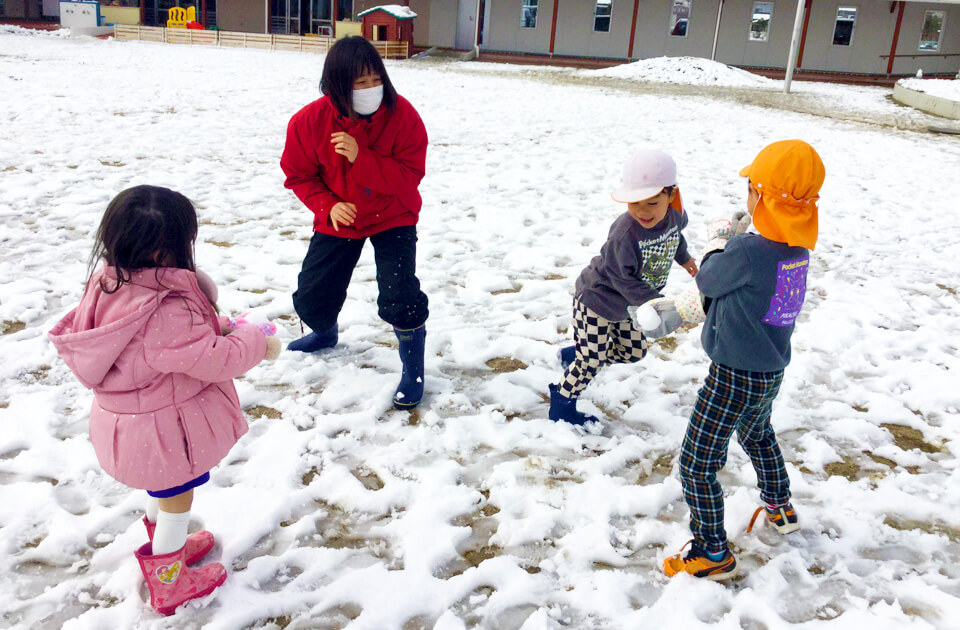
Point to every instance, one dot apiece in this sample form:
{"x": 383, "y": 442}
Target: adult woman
{"x": 355, "y": 157}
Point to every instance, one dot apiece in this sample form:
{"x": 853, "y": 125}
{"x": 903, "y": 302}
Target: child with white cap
{"x": 631, "y": 269}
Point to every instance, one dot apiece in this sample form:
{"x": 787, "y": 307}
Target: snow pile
{"x": 685, "y": 71}
{"x": 943, "y": 88}
{"x": 396, "y": 10}
{"x": 10, "y": 29}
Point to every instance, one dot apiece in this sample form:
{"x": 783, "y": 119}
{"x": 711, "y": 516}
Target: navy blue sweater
{"x": 756, "y": 288}
{"x": 633, "y": 265}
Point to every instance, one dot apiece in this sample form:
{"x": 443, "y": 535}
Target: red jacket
{"x": 382, "y": 182}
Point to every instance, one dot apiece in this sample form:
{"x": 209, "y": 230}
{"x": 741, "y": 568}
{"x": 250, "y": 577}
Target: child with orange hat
{"x": 751, "y": 288}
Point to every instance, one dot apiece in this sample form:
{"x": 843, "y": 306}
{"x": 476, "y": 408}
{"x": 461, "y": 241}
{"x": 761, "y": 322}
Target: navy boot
{"x": 565, "y": 409}
{"x": 410, "y": 391}
{"x": 315, "y": 341}
{"x": 567, "y": 356}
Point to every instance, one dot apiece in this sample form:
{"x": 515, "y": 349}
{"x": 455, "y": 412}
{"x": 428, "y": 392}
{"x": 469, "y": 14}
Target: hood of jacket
{"x": 92, "y": 336}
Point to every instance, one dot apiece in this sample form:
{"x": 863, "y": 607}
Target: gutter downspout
{"x": 553, "y": 27}
{"x": 716, "y": 32}
{"x": 633, "y": 28}
{"x": 896, "y": 37}
{"x": 803, "y": 38}
{"x": 794, "y": 46}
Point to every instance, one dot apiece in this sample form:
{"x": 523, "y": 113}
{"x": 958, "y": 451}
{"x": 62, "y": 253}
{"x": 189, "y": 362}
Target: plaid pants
{"x": 730, "y": 399}
{"x": 599, "y": 342}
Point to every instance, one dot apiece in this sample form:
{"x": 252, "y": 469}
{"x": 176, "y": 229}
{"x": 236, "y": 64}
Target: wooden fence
{"x": 387, "y": 50}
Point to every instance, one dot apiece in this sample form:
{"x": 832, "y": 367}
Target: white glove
{"x": 722, "y": 230}
{"x": 657, "y": 318}
{"x": 661, "y": 316}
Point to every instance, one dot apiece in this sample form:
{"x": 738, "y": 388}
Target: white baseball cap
{"x": 645, "y": 174}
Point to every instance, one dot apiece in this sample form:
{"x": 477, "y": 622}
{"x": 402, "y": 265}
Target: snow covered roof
{"x": 396, "y": 10}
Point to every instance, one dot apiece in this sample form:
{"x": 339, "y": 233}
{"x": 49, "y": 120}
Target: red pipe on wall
{"x": 553, "y": 27}
{"x": 803, "y": 37}
{"x": 633, "y": 28}
{"x": 896, "y": 38}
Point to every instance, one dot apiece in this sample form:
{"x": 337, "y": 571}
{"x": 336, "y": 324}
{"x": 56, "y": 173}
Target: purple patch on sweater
{"x": 791, "y": 288}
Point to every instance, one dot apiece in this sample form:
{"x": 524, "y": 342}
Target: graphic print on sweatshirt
{"x": 657, "y": 257}
{"x": 791, "y": 287}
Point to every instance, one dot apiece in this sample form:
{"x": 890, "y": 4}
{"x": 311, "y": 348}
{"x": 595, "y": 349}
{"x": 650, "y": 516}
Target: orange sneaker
{"x": 697, "y": 564}
{"x": 783, "y": 518}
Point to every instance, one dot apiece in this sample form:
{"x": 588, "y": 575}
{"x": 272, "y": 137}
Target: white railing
{"x": 196, "y": 37}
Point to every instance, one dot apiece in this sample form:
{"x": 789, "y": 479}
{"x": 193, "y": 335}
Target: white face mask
{"x": 367, "y": 101}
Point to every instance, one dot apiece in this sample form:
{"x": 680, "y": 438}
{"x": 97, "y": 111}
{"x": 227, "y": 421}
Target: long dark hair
{"x": 145, "y": 227}
{"x": 347, "y": 60}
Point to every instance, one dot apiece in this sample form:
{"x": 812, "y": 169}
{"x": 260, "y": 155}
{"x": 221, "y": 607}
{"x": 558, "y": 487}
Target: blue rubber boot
{"x": 567, "y": 356}
{"x": 315, "y": 341}
{"x": 410, "y": 391}
{"x": 565, "y": 409}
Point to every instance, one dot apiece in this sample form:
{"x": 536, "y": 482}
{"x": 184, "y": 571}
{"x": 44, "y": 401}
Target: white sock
{"x": 171, "y": 532}
{"x": 153, "y": 504}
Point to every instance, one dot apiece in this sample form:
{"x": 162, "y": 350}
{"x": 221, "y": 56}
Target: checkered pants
{"x": 599, "y": 342}
{"x": 730, "y": 400}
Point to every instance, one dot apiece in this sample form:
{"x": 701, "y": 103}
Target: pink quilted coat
{"x": 165, "y": 410}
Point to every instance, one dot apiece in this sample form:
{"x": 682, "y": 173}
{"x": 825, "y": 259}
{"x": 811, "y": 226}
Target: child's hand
{"x": 342, "y": 213}
{"x": 273, "y": 349}
{"x": 691, "y": 266}
{"x": 345, "y": 145}
{"x": 267, "y": 327}
{"x": 658, "y": 318}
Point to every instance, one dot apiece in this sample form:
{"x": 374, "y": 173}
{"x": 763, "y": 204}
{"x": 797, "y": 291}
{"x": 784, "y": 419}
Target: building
{"x": 863, "y": 37}
{"x": 871, "y": 37}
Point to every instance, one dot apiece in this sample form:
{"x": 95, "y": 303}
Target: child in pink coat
{"x": 147, "y": 340}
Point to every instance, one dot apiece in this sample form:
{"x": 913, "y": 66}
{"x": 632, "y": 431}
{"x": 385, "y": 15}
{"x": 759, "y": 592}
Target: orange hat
{"x": 788, "y": 174}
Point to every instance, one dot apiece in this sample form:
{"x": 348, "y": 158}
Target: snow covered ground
{"x": 475, "y": 511}
{"x": 944, "y": 88}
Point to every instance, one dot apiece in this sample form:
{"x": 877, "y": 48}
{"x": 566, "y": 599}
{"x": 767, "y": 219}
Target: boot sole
{"x": 719, "y": 577}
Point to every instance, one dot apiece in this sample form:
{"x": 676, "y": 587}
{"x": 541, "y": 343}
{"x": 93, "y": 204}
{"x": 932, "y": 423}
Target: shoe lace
{"x": 753, "y": 519}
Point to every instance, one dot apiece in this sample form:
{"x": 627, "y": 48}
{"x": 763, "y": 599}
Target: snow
{"x": 944, "y": 88}
{"x": 684, "y": 70}
{"x": 396, "y": 10}
{"x": 475, "y": 510}
{"x": 647, "y": 317}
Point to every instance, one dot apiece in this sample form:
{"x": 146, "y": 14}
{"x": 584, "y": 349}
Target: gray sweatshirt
{"x": 633, "y": 265}
{"x": 756, "y": 288}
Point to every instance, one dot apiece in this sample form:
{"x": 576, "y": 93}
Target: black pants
{"x": 328, "y": 266}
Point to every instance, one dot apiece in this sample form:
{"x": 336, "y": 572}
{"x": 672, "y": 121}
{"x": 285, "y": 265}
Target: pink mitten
{"x": 267, "y": 327}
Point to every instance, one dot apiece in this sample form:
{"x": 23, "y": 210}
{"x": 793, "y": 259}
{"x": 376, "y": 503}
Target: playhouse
{"x": 389, "y": 22}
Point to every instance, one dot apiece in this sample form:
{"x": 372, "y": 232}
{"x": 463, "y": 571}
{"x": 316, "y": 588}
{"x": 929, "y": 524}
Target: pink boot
{"x": 198, "y": 544}
{"x": 172, "y": 582}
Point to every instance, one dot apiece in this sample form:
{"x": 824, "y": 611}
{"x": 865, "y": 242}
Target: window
{"x": 528, "y": 13}
{"x": 932, "y": 30}
{"x": 843, "y": 27}
{"x": 760, "y": 21}
{"x": 601, "y": 16}
{"x": 680, "y": 18}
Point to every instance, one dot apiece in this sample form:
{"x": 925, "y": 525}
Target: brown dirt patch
{"x": 502, "y": 365}
{"x": 10, "y": 327}
{"x": 259, "y": 411}
{"x": 667, "y": 344}
{"x": 847, "y": 469}
{"x": 907, "y": 438}
{"x": 938, "y": 529}
{"x": 369, "y": 479}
